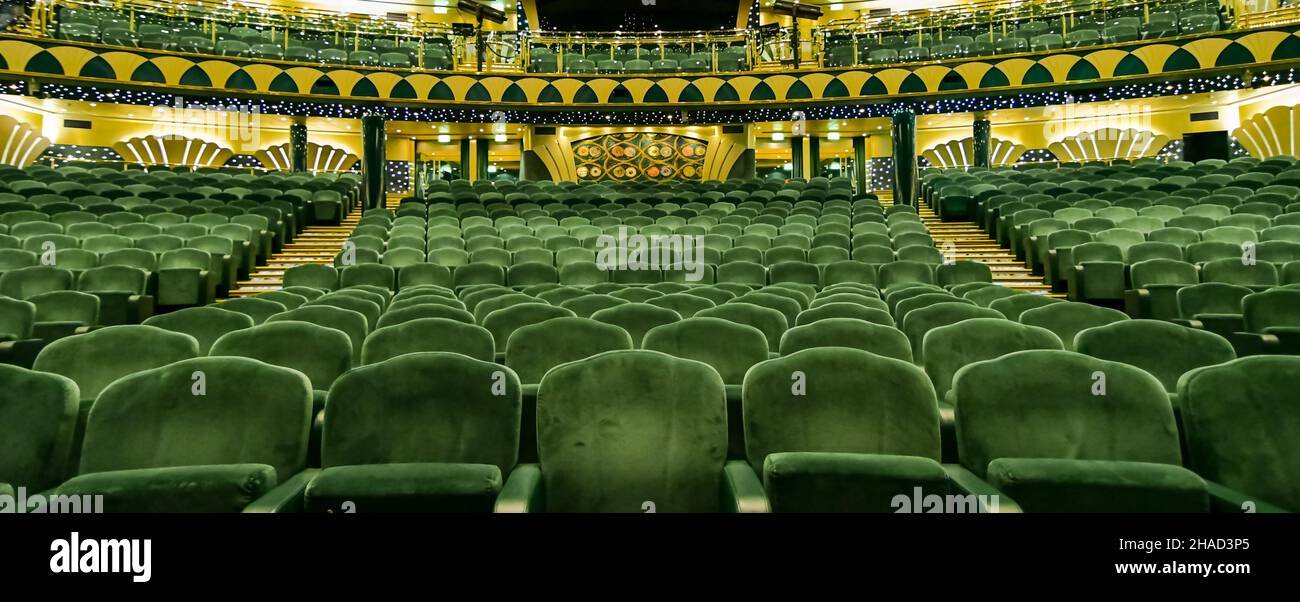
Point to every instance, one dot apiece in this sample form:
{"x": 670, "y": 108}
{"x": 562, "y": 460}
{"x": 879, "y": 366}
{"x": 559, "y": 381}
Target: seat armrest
{"x": 966, "y": 481}
{"x": 1225, "y": 499}
{"x": 523, "y": 491}
{"x": 742, "y": 492}
{"x": 286, "y": 497}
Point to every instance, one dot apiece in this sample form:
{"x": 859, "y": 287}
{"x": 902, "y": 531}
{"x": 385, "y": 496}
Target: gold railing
{"x": 509, "y": 50}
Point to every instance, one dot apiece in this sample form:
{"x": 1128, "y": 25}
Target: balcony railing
{"x": 262, "y": 32}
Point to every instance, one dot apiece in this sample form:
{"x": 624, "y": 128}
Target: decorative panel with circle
{"x": 645, "y": 156}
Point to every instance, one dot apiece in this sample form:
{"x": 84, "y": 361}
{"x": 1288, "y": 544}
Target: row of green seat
{"x": 837, "y": 460}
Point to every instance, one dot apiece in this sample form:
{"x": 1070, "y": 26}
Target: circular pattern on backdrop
{"x": 627, "y": 156}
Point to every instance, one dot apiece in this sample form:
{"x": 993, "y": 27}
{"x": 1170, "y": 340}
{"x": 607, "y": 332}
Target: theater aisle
{"x": 316, "y": 244}
{"x": 972, "y": 243}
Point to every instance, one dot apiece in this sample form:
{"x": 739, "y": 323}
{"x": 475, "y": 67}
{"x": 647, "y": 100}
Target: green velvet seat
{"x": 769, "y": 321}
{"x": 63, "y": 313}
{"x": 1066, "y": 320}
{"x": 478, "y": 273}
{"x": 862, "y": 298}
{"x": 636, "y": 294}
{"x": 952, "y": 347}
{"x": 848, "y": 333}
{"x": 316, "y": 276}
{"x": 636, "y": 319}
{"x": 287, "y": 299}
{"x": 422, "y": 432}
{"x": 305, "y": 292}
{"x": 185, "y": 278}
{"x": 560, "y": 294}
{"x": 503, "y": 322}
{"x": 716, "y": 295}
{"x": 1241, "y": 423}
{"x": 351, "y": 323}
{"x": 122, "y": 293}
{"x": 918, "y": 322}
{"x": 587, "y": 305}
{"x": 17, "y": 323}
{"x": 536, "y": 348}
{"x": 319, "y": 352}
{"x": 684, "y": 304}
{"x": 841, "y": 430}
{"x": 987, "y": 295}
{"x": 894, "y": 274}
{"x": 962, "y": 272}
{"x": 482, "y": 308}
{"x": 428, "y": 335}
{"x": 1213, "y": 306}
{"x": 423, "y": 273}
{"x": 632, "y": 431}
{"x": 1272, "y": 322}
{"x": 848, "y": 271}
{"x": 25, "y": 283}
{"x": 1013, "y": 306}
{"x": 38, "y": 418}
{"x": 205, "y": 324}
{"x": 257, "y": 309}
{"x": 215, "y": 434}
{"x": 844, "y": 310}
{"x": 366, "y": 307}
{"x": 903, "y": 292}
{"x": 1163, "y": 349}
{"x": 1058, "y": 431}
{"x": 398, "y": 315}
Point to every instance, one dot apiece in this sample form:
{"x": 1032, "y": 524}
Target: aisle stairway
{"x": 970, "y": 242}
{"x": 315, "y": 244}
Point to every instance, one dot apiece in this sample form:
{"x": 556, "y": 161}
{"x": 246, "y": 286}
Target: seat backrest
{"x": 38, "y": 414}
{"x": 1163, "y": 349}
{"x": 1241, "y": 423}
{"x": 205, "y": 324}
{"x": 244, "y": 412}
{"x": 321, "y": 353}
{"x": 95, "y": 359}
{"x": 1064, "y": 405}
{"x": 594, "y": 458}
{"x": 430, "y": 407}
{"x": 847, "y": 391}
{"x": 955, "y": 346}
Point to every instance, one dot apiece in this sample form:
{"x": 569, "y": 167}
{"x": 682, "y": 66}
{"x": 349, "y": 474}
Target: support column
{"x": 796, "y": 157}
{"x": 814, "y": 157}
{"x": 860, "y": 175}
{"x": 466, "y": 160}
{"x": 298, "y": 143}
{"x": 374, "y": 145}
{"x": 481, "y": 159}
{"x": 904, "y": 142}
{"x": 983, "y": 129}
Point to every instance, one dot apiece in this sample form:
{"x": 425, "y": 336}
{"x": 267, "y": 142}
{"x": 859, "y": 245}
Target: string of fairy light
{"x": 563, "y": 116}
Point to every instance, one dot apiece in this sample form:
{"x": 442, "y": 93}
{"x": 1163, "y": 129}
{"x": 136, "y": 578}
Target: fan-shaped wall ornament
{"x": 320, "y": 158}
{"x": 173, "y": 150}
{"x": 1108, "y": 144}
{"x": 20, "y": 143}
{"x": 961, "y": 153}
{"x": 1270, "y": 133}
